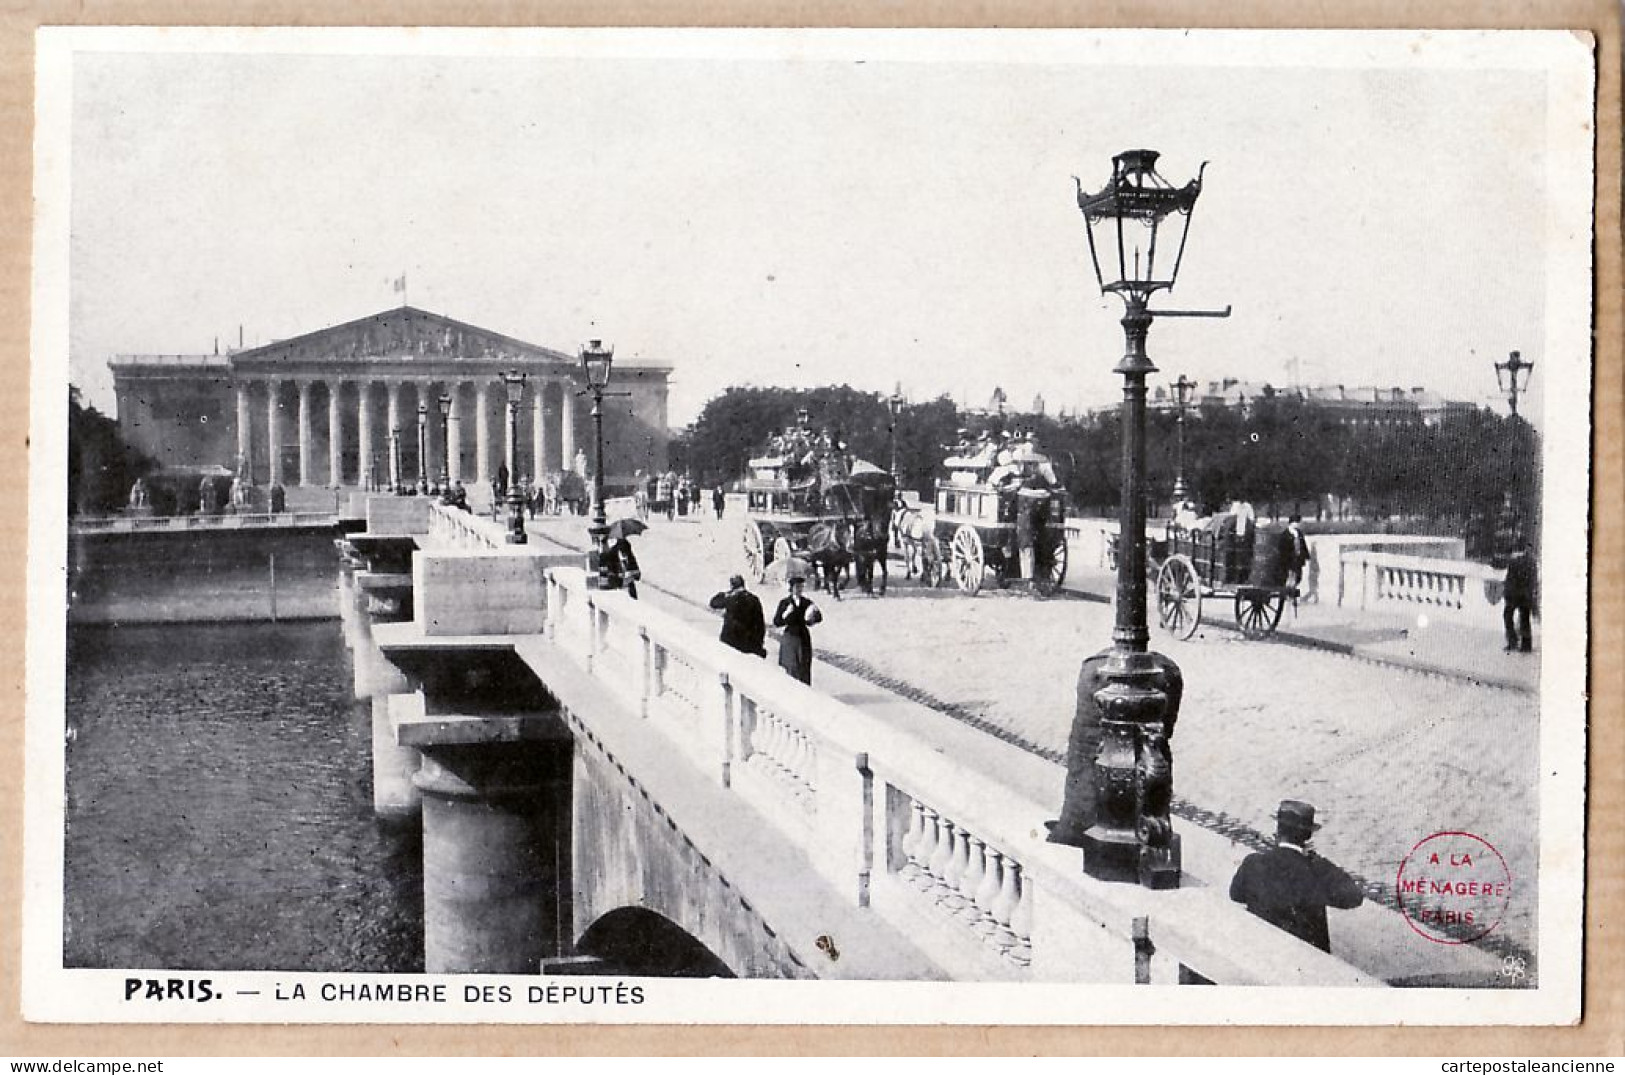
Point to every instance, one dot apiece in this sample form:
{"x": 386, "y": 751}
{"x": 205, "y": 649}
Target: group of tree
{"x": 101, "y": 466}
{"x": 1281, "y": 453}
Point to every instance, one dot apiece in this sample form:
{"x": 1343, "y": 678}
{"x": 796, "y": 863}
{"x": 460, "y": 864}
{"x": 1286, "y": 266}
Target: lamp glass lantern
{"x": 596, "y": 360}
{"x": 1134, "y": 246}
{"x": 1513, "y": 375}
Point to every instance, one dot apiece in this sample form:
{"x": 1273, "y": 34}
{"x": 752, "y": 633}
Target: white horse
{"x": 911, "y": 532}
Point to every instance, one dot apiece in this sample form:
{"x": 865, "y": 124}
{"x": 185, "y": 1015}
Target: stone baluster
{"x": 949, "y": 897}
{"x": 1021, "y": 922}
{"x": 1004, "y": 904}
{"x": 925, "y": 849}
{"x": 910, "y": 843}
{"x": 970, "y": 882}
{"x": 942, "y": 853}
{"x": 987, "y": 893}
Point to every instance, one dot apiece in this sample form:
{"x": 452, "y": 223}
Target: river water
{"x": 219, "y": 806}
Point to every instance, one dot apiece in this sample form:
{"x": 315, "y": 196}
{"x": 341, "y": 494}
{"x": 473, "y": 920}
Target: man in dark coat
{"x": 621, "y": 565}
{"x": 743, "y": 626}
{"x": 1078, "y": 798}
{"x": 1289, "y": 886}
{"x": 1519, "y": 595}
{"x": 1294, "y": 551}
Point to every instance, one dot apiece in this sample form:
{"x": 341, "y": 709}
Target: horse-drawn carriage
{"x": 826, "y": 515}
{"x": 1001, "y": 512}
{"x": 1229, "y": 559}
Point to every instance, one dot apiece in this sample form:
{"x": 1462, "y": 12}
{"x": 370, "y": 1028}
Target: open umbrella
{"x": 626, "y": 528}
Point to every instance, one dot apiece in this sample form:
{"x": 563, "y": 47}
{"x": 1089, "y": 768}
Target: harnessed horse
{"x": 913, "y": 535}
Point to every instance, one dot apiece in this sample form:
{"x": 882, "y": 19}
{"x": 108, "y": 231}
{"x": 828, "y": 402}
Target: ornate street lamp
{"x": 1132, "y": 836}
{"x": 423, "y": 449}
{"x": 395, "y": 460}
{"x": 514, "y": 382}
{"x": 894, "y": 406}
{"x": 1183, "y": 390}
{"x": 1513, "y": 377}
{"x": 445, "y": 447}
{"x": 596, "y": 361}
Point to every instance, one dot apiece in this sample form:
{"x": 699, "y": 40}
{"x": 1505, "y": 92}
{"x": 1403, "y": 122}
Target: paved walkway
{"x": 1388, "y": 754}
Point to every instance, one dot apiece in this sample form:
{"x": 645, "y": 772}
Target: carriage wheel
{"x": 1050, "y": 570}
{"x": 1179, "y": 597}
{"x": 1259, "y": 611}
{"x": 755, "y": 556}
{"x": 969, "y": 561}
{"x": 782, "y": 552}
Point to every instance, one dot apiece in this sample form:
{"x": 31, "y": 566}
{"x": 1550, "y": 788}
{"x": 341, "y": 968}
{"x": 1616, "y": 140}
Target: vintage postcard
{"x": 809, "y": 526}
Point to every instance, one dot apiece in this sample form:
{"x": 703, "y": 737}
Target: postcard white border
{"x": 54, "y": 994}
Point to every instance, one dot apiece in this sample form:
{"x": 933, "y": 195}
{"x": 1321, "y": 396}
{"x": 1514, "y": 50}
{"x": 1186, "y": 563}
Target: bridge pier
{"x": 496, "y": 856}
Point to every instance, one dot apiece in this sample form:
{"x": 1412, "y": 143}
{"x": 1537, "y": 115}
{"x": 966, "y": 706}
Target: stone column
{"x": 273, "y": 431}
{"x": 306, "y": 448}
{"x": 363, "y": 392}
{"x": 496, "y": 856}
{"x": 335, "y": 434}
{"x": 567, "y": 423}
{"x": 454, "y": 432}
{"x": 482, "y": 431}
{"x": 393, "y": 417}
{"x": 245, "y": 428}
{"x": 538, "y": 432}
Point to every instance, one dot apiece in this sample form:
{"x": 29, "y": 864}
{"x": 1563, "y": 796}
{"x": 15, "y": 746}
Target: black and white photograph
{"x": 809, "y": 526}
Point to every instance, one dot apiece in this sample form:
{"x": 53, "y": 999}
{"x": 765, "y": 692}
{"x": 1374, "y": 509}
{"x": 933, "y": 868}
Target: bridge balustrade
{"x": 948, "y": 854}
{"x": 1460, "y": 589}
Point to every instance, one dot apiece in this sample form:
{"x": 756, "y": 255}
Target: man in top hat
{"x": 1294, "y": 551}
{"x": 1289, "y": 886}
{"x": 743, "y": 626}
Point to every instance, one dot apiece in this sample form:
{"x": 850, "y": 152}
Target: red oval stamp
{"x": 1453, "y": 887}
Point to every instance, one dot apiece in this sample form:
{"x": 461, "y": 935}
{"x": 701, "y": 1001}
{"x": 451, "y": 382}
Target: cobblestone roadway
{"x": 1387, "y": 755}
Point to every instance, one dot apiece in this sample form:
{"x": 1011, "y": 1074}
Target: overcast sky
{"x": 855, "y": 215}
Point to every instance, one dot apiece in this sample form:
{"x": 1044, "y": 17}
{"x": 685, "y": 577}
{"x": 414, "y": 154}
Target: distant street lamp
{"x": 395, "y": 460}
{"x": 1132, "y": 838}
{"x": 596, "y": 362}
{"x": 1513, "y": 377}
{"x": 445, "y": 447}
{"x": 1183, "y": 390}
{"x": 894, "y": 406}
{"x": 514, "y": 382}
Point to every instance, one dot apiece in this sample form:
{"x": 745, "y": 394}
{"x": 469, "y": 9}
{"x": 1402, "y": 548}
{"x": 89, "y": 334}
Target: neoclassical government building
{"x": 325, "y": 408}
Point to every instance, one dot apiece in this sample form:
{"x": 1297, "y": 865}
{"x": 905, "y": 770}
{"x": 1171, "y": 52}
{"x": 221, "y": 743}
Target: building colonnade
{"x": 351, "y": 446}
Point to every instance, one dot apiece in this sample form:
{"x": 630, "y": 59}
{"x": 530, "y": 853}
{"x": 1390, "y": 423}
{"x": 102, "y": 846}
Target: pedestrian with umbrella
{"x": 620, "y": 562}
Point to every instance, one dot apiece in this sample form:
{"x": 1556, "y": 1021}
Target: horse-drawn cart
{"x": 1249, "y": 569}
{"x": 1007, "y": 519}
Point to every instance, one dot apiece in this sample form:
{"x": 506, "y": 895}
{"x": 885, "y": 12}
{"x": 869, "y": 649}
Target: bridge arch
{"x": 638, "y": 942}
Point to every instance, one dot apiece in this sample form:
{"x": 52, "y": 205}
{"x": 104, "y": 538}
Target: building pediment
{"x": 403, "y": 335}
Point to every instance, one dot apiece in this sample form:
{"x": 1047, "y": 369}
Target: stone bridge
{"x": 604, "y": 788}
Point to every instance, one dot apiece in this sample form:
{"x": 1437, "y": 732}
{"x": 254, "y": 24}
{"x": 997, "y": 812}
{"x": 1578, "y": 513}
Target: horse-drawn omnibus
{"x": 1001, "y": 513}
{"x": 811, "y": 505}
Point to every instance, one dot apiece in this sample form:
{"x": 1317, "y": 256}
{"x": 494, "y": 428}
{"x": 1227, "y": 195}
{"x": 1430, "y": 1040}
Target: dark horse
{"x": 829, "y": 551}
{"x": 871, "y": 545}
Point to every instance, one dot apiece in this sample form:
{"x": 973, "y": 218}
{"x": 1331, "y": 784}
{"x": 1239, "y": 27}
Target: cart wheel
{"x": 1050, "y": 570}
{"x": 1259, "y": 611}
{"x": 782, "y": 552}
{"x": 755, "y": 555}
{"x": 969, "y": 562}
{"x": 1179, "y": 597}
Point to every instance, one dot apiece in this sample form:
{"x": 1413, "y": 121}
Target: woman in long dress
{"x": 796, "y": 613}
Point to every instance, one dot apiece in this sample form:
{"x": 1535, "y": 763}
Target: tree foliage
{"x": 1280, "y": 452}
{"x": 101, "y": 467}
